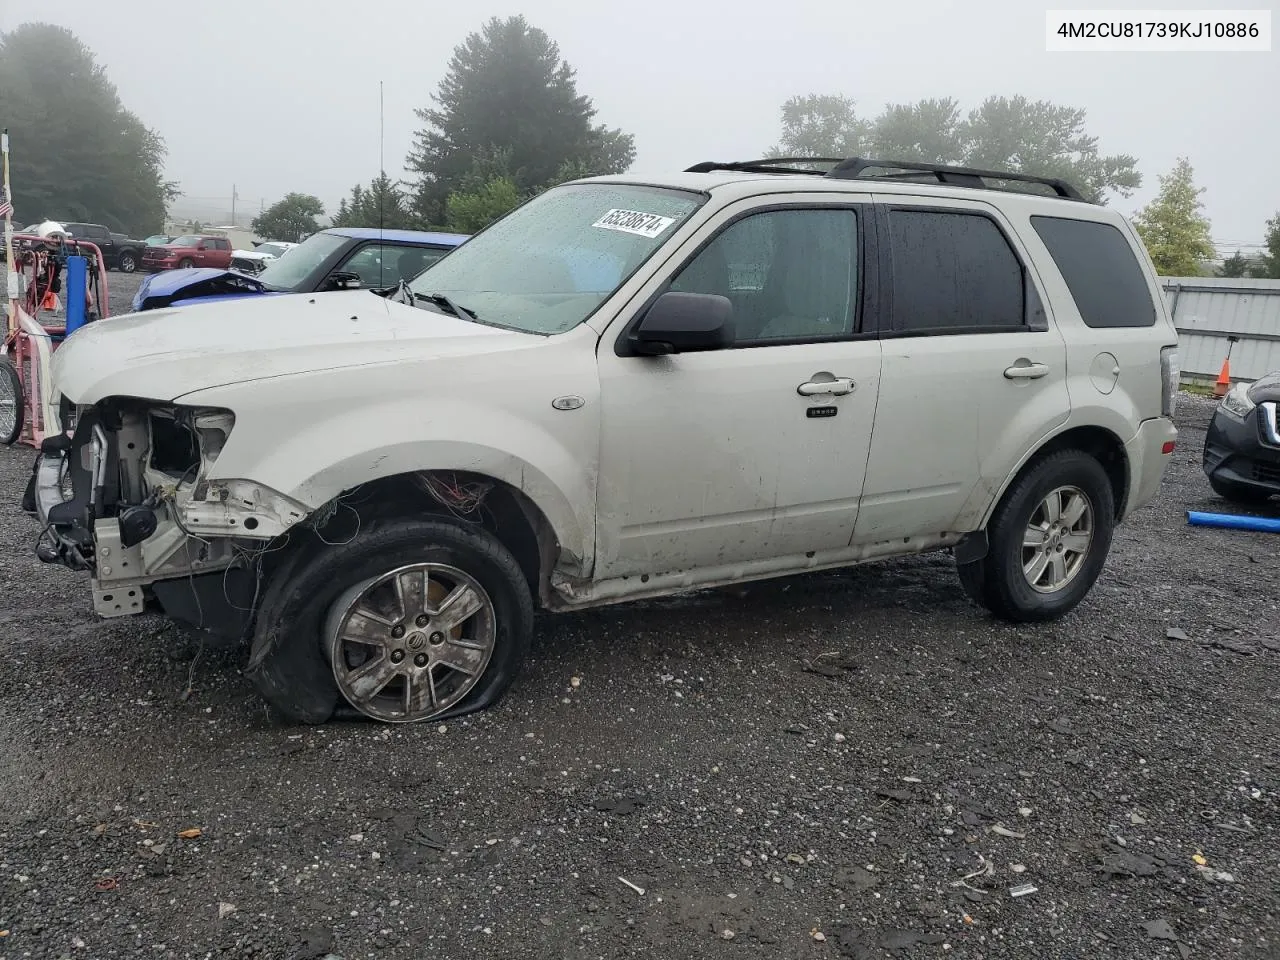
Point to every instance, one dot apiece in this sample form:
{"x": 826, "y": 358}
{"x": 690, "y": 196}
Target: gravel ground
{"x": 856, "y": 764}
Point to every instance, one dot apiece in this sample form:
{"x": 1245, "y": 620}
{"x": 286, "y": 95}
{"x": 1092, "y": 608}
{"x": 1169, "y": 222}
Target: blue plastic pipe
{"x": 1233, "y": 522}
{"x": 77, "y": 285}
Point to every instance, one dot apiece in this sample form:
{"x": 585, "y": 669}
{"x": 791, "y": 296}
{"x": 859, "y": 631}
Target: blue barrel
{"x": 74, "y": 293}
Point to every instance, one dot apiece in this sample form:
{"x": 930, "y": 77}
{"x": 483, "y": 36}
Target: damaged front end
{"x": 124, "y": 492}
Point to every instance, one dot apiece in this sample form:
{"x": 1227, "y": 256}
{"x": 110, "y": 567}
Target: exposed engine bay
{"x": 133, "y": 505}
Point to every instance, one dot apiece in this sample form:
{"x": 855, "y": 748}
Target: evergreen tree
{"x": 507, "y": 91}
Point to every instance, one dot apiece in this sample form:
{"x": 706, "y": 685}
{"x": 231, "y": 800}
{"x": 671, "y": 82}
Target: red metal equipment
{"x": 33, "y": 332}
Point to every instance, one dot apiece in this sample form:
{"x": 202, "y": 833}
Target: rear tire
{"x": 1038, "y": 568}
{"x": 12, "y": 403}
{"x": 1237, "y": 493}
{"x": 290, "y": 661}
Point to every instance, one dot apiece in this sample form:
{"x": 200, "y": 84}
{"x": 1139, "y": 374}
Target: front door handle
{"x": 837, "y": 387}
{"x": 1026, "y": 371}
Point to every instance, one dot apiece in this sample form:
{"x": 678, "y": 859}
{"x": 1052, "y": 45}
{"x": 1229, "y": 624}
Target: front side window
{"x": 288, "y": 272}
{"x": 547, "y": 266}
{"x": 790, "y": 274}
{"x": 953, "y": 273}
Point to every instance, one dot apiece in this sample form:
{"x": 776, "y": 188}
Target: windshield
{"x": 548, "y": 265}
{"x": 156, "y": 240}
{"x": 287, "y": 272}
{"x": 271, "y": 249}
{"x": 185, "y": 241}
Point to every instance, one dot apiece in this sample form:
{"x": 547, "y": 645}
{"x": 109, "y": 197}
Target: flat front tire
{"x": 411, "y": 620}
{"x": 1047, "y": 540}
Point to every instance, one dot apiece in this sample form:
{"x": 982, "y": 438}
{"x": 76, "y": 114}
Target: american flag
{"x": 6, "y": 208}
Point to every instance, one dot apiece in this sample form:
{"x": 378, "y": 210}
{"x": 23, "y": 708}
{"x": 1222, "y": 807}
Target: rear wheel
{"x": 1048, "y": 540}
{"x": 411, "y": 620}
{"x": 1238, "y": 493}
{"x": 12, "y": 407}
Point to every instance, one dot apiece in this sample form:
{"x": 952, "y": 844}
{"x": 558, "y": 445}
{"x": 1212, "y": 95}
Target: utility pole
{"x": 233, "y": 204}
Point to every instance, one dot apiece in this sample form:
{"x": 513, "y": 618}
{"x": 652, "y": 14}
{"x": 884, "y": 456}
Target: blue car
{"x": 339, "y": 258}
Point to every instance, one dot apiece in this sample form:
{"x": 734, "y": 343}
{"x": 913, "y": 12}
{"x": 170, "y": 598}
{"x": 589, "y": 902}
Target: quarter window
{"x": 1103, "y": 275}
{"x": 953, "y": 273}
{"x": 791, "y": 275}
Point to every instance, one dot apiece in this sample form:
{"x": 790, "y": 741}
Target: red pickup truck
{"x": 189, "y": 251}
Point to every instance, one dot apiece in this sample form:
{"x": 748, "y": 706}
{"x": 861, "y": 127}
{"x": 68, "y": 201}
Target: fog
{"x": 273, "y": 97}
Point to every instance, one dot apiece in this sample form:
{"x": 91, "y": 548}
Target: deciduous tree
{"x": 1002, "y": 133}
{"x": 76, "y": 153}
{"x": 292, "y": 219}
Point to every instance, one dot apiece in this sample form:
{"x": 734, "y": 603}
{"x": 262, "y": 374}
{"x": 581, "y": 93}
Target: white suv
{"x": 628, "y": 387}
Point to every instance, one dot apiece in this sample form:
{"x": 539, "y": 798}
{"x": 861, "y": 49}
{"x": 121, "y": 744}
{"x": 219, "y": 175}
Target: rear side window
{"x": 953, "y": 273}
{"x": 1104, "y": 277}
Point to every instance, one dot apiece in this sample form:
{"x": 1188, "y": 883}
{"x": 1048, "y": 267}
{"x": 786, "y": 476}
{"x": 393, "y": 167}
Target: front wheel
{"x": 1233, "y": 492}
{"x": 11, "y": 403}
{"x": 128, "y": 263}
{"x": 411, "y": 620}
{"x": 185, "y": 263}
{"x": 1047, "y": 541}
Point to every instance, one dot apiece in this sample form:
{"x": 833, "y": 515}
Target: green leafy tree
{"x": 471, "y": 210}
{"x": 927, "y": 132}
{"x": 292, "y": 219}
{"x": 382, "y": 203}
{"x": 1002, "y": 133}
{"x": 1268, "y": 265}
{"x": 1039, "y": 137}
{"x": 77, "y": 153}
{"x": 1236, "y": 265}
{"x": 1172, "y": 226}
{"x": 507, "y": 91}
{"x": 821, "y": 125}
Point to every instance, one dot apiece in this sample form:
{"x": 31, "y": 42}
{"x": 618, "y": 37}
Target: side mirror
{"x": 344, "y": 281}
{"x": 683, "y": 323}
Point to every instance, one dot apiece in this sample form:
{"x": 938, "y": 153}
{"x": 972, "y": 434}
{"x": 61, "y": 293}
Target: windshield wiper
{"x": 449, "y": 305}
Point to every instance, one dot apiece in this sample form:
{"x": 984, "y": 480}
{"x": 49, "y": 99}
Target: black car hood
{"x": 1267, "y": 388}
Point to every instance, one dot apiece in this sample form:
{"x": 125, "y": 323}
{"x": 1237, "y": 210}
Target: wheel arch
{"x": 504, "y": 510}
{"x": 1099, "y": 442}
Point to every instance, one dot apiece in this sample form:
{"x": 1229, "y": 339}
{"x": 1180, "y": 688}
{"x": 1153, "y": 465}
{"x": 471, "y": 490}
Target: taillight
{"x": 1169, "y": 375}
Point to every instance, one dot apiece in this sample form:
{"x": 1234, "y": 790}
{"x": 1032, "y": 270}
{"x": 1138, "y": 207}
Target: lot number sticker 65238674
{"x": 633, "y": 221}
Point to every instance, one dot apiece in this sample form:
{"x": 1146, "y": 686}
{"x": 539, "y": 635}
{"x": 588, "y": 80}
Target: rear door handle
{"x": 1026, "y": 371}
{"x": 836, "y": 388}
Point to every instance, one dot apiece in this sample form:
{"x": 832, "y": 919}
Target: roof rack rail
{"x": 854, "y": 168}
{"x": 767, "y": 165}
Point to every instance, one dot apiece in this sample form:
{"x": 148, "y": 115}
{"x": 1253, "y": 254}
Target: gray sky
{"x": 279, "y": 96}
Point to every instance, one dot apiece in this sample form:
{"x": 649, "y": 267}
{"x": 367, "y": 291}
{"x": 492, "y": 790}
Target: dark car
{"x": 118, "y": 251}
{"x": 345, "y": 257}
{"x": 1242, "y": 447}
{"x": 339, "y": 258}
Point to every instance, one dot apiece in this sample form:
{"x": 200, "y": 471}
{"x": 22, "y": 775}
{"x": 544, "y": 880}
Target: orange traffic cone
{"x": 1224, "y": 379}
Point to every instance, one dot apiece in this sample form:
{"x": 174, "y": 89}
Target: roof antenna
{"x": 382, "y": 167}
